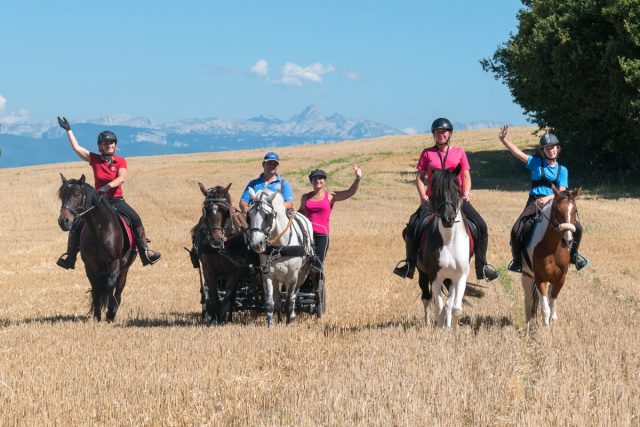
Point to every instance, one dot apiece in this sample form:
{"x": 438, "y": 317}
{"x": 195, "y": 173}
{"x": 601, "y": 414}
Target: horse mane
{"x": 443, "y": 183}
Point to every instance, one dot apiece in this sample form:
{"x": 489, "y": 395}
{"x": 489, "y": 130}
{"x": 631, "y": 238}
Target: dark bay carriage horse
{"x": 105, "y": 251}
{"x": 547, "y": 255}
{"x": 219, "y": 245}
{"x": 445, "y": 251}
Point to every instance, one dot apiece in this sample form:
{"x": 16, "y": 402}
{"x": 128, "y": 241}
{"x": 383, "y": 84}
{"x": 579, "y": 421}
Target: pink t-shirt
{"x": 431, "y": 158}
{"x": 318, "y": 212}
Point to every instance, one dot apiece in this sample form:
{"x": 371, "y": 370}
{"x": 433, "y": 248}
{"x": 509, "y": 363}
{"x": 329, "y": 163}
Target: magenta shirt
{"x": 318, "y": 213}
{"x": 432, "y": 158}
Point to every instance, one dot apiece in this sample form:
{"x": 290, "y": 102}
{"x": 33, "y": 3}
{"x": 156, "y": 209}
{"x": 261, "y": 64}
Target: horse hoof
{"x": 457, "y": 312}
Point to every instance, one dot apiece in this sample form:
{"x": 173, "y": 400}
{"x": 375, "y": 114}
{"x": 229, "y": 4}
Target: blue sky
{"x": 402, "y": 63}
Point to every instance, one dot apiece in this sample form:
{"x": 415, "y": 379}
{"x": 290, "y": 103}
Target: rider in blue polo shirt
{"x": 270, "y": 179}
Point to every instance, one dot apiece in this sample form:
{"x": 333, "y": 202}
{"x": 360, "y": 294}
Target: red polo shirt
{"x": 105, "y": 172}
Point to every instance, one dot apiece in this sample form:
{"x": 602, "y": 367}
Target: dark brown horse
{"x": 219, "y": 242}
{"x": 103, "y": 249}
{"x": 549, "y": 255}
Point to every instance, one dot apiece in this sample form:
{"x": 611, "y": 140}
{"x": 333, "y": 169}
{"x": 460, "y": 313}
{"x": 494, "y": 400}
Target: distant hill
{"x": 42, "y": 143}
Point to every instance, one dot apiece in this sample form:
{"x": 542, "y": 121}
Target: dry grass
{"x": 370, "y": 361}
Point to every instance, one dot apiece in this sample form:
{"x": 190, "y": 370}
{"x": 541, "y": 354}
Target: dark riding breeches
{"x": 321, "y": 243}
{"x": 121, "y": 206}
{"x": 482, "y": 244}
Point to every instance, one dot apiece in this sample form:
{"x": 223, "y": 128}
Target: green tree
{"x": 574, "y": 67}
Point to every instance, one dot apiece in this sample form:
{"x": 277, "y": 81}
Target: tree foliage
{"x": 574, "y": 67}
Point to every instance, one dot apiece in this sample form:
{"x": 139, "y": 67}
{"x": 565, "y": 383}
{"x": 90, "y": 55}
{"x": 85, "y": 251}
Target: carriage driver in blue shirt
{"x": 270, "y": 179}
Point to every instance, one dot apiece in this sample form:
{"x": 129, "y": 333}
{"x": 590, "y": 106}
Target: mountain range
{"x": 40, "y": 143}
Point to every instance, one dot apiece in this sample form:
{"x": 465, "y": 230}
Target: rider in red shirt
{"x": 109, "y": 172}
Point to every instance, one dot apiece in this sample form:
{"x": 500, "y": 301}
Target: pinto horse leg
{"x": 457, "y": 293}
{"x": 439, "y": 302}
{"x": 528, "y": 289}
{"x": 427, "y": 296}
{"x": 546, "y": 310}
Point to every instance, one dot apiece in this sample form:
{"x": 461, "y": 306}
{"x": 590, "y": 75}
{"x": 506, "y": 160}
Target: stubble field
{"x": 370, "y": 360}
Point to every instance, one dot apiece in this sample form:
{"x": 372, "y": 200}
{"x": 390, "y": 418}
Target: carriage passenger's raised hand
{"x": 358, "y": 171}
{"x": 64, "y": 123}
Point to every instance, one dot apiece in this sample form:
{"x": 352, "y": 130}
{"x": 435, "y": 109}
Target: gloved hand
{"x": 104, "y": 190}
{"x": 64, "y": 123}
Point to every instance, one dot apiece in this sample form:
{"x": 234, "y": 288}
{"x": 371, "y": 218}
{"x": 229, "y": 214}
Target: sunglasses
{"x": 441, "y": 131}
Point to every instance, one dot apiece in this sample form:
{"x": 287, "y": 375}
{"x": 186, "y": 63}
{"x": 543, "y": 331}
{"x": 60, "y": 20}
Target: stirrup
{"x": 147, "y": 256}
{"x": 515, "y": 265}
{"x": 489, "y": 272}
{"x": 579, "y": 261}
{"x": 65, "y": 262}
{"x": 403, "y": 271}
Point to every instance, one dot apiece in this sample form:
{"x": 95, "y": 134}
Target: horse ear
{"x": 576, "y": 192}
{"x": 555, "y": 190}
{"x": 82, "y": 179}
{"x": 252, "y": 192}
{"x": 202, "y": 188}
{"x": 64, "y": 180}
{"x": 457, "y": 169}
{"x": 226, "y": 190}
{"x": 272, "y": 196}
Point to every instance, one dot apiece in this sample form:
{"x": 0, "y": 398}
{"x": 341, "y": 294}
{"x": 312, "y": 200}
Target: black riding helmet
{"x": 441, "y": 123}
{"x": 548, "y": 140}
{"x": 107, "y": 136}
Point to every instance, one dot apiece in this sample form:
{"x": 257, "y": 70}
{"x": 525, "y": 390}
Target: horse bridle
{"x": 271, "y": 216}
{"x": 82, "y": 209}
{"x": 222, "y": 202}
{"x": 556, "y": 224}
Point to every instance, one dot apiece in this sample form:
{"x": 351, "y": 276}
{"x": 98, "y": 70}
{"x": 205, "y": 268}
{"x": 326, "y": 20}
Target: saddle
{"x": 526, "y": 229}
{"x": 128, "y": 243}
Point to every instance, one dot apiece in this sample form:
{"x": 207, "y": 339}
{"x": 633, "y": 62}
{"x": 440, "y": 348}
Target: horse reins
{"x": 78, "y": 212}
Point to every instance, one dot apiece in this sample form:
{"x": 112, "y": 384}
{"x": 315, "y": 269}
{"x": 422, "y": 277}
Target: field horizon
{"x": 371, "y": 360}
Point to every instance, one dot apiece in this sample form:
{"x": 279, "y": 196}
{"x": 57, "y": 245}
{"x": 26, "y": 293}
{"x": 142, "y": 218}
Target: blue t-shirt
{"x": 280, "y": 185}
{"x": 550, "y": 172}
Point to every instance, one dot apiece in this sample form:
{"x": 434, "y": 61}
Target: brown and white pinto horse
{"x": 549, "y": 254}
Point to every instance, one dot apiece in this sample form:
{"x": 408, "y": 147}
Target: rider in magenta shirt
{"x": 432, "y": 158}
{"x": 443, "y": 156}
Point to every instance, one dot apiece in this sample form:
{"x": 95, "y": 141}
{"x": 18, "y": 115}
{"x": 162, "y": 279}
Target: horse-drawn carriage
{"x": 259, "y": 263}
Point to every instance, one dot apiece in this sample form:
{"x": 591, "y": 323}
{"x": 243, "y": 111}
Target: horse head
{"x": 563, "y": 214}
{"x": 77, "y": 198}
{"x": 216, "y": 214}
{"x": 262, "y": 218}
{"x": 445, "y": 195}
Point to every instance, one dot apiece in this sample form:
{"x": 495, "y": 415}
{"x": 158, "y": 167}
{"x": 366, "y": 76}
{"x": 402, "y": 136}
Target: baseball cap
{"x": 317, "y": 172}
{"x": 271, "y": 155}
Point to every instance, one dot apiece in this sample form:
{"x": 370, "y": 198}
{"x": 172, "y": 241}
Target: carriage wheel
{"x": 321, "y": 298}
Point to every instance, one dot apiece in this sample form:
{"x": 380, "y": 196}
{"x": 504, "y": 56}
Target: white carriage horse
{"x": 285, "y": 246}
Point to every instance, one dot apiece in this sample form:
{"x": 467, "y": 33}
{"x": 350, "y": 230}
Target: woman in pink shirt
{"x": 443, "y": 156}
{"x": 317, "y": 206}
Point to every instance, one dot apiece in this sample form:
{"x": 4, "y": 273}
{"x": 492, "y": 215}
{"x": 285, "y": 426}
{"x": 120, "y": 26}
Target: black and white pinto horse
{"x": 444, "y": 250}
{"x": 285, "y": 246}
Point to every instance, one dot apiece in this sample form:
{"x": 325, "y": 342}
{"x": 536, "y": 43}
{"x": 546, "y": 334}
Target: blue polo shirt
{"x": 280, "y": 185}
{"x": 537, "y": 165}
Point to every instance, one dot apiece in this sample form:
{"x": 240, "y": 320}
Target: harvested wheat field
{"x": 371, "y": 360}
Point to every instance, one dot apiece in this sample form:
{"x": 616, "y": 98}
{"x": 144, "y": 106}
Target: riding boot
{"x": 68, "y": 260}
{"x": 407, "y": 269}
{"x": 483, "y": 269}
{"x": 516, "y": 253}
{"x": 147, "y": 256}
{"x": 575, "y": 257}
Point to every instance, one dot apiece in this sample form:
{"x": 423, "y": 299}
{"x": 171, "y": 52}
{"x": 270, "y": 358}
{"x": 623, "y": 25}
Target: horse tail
{"x": 99, "y": 297}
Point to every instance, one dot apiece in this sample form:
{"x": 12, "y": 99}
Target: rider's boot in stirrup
{"x": 147, "y": 256}
{"x": 578, "y": 260}
{"x": 68, "y": 260}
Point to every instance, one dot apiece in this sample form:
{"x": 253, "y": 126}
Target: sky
{"x": 402, "y": 63}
